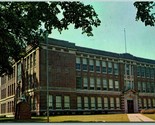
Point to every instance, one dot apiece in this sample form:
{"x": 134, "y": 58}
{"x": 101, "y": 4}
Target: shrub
{"x": 147, "y": 111}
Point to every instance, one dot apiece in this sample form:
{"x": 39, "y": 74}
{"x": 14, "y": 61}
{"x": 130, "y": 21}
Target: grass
{"x": 152, "y": 116}
{"x": 75, "y": 118}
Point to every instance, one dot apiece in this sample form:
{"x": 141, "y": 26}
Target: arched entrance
{"x": 131, "y": 101}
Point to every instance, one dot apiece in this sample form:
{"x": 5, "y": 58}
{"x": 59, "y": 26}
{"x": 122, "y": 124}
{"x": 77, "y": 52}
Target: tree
{"x": 144, "y": 12}
{"x": 21, "y": 22}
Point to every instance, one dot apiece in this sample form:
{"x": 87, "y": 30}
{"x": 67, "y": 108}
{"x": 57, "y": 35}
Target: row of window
{"x": 86, "y": 102}
{"x": 146, "y": 103}
{"x": 145, "y": 72}
{"x": 146, "y": 87}
{"x": 3, "y": 93}
{"x": 98, "y": 102}
{"x": 30, "y": 61}
{"x": 11, "y": 89}
{"x": 10, "y": 106}
{"x": 96, "y": 65}
{"x": 98, "y": 84}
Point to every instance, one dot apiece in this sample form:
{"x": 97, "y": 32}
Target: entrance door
{"x": 130, "y": 106}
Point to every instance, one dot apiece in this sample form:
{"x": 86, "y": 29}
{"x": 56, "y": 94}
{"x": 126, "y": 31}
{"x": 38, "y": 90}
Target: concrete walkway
{"x": 139, "y": 118}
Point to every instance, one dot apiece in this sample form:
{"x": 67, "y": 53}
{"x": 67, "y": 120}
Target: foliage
{"x": 21, "y": 24}
{"x": 147, "y": 111}
{"x": 144, "y": 12}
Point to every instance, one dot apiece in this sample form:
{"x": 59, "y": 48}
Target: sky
{"x": 115, "y": 16}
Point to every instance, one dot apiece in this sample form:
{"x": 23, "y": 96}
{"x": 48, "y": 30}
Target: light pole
{"x": 47, "y": 86}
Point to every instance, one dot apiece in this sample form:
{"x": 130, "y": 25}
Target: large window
{"x": 98, "y": 69}
{"x": 144, "y": 86}
{"x": 117, "y": 103}
{"x": 109, "y": 67}
{"x": 58, "y": 102}
{"x": 50, "y": 102}
{"x": 116, "y": 85}
{"x": 138, "y": 71}
{"x": 19, "y": 71}
{"x": 147, "y": 72}
{"x": 152, "y": 73}
{"x": 139, "y": 87}
{"x": 92, "y": 83}
{"x": 140, "y": 103}
{"x": 84, "y": 65}
{"x": 99, "y": 103}
{"x": 91, "y": 65}
{"x": 143, "y": 71}
{"x": 105, "y": 103}
{"x": 153, "y": 102}
{"x": 148, "y": 87}
{"x": 149, "y": 103}
{"x": 78, "y": 82}
{"x": 98, "y": 83}
{"x": 127, "y": 69}
{"x": 78, "y": 63}
{"x": 104, "y": 67}
{"x": 86, "y": 104}
{"x": 111, "y": 87}
{"x": 93, "y": 106}
{"x": 66, "y": 102}
{"x": 85, "y": 83}
{"x": 105, "y": 84}
{"x": 111, "y": 103}
{"x": 152, "y": 87}
{"x": 145, "y": 103}
{"x": 79, "y": 102}
{"x": 116, "y": 68}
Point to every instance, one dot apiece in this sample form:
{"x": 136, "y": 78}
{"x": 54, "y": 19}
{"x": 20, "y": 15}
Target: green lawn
{"x": 75, "y": 118}
{"x": 152, "y": 116}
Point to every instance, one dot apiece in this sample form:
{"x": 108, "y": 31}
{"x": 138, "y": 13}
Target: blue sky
{"x": 109, "y": 36}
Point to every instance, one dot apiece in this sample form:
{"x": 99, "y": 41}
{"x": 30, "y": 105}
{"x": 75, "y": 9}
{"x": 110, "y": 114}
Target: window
{"x": 152, "y": 73}
{"x": 143, "y": 71}
{"x": 98, "y": 84}
{"x": 152, "y": 87}
{"x": 148, "y": 87}
{"x": 144, "y": 86}
{"x": 116, "y": 85}
{"x": 28, "y": 62}
{"x": 149, "y": 103}
{"x": 147, "y": 72}
{"x": 85, "y": 83}
{"x": 104, "y": 67}
{"x": 58, "y": 102}
{"x": 128, "y": 85}
{"x": 153, "y": 102}
{"x": 99, "y": 103}
{"x": 92, "y": 83}
{"x": 79, "y": 102}
{"x": 98, "y": 66}
{"x": 78, "y": 82}
{"x": 138, "y": 71}
{"x": 109, "y": 67}
{"x": 91, "y": 65}
{"x": 140, "y": 103}
{"x": 145, "y": 104}
{"x": 86, "y": 105}
{"x": 105, "y": 85}
{"x": 50, "y": 102}
{"x": 66, "y": 102}
{"x": 105, "y": 103}
{"x": 93, "y": 106}
{"x": 78, "y": 63}
{"x": 139, "y": 86}
{"x": 19, "y": 71}
{"x": 111, "y": 84}
{"x": 84, "y": 66}
{"x": 112, "y": 103}
{"x": 34, "y": 58}
{"x": 31, "y": 61}
{"x": 116, "y": 69}
{"x": 117, "y": 103}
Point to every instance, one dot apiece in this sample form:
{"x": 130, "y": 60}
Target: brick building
{"x": 80, "y": 80}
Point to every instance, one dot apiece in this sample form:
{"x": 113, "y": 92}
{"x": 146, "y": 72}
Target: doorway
{"x": 130, "y": 106}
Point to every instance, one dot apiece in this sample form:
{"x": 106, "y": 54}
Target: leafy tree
{"x": 21, "y": 22}
{"x": 145, "y": 12}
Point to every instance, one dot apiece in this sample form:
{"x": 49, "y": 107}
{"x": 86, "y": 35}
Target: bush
{"x": 2, "y": 116}
{"x": 147, "y": 111}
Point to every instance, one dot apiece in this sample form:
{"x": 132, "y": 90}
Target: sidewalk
{"x": 139, "y": 118}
